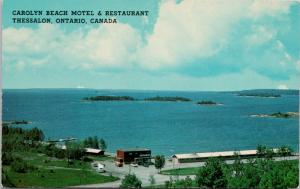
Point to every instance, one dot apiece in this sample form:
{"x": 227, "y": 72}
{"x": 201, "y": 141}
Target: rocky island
{"x": 169, "y": 99}
{"x": 278, "y": 115}
{"x": 109, "y": 98}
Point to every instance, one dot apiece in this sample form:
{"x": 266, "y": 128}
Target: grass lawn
{"x": 102, "y": 158}
{"x": 53, "y": 172}
{"x": 58, "y": 178}
{"x": 42, "y": 160}
{"x": 181, "y": 171}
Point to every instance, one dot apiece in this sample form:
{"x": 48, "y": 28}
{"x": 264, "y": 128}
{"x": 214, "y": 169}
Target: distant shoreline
{"x": 277, "y": 115}
{"x": 156, "y": 90}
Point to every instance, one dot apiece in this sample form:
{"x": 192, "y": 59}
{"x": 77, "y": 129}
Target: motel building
{"x": 140, "y": 156}
{"x": 94, "y": 152}
{"x": 200, "y": 157}
{"x": 88, "y": 151}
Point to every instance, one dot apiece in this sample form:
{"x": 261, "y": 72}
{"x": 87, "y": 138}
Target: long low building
{"x": 198, "y": 157}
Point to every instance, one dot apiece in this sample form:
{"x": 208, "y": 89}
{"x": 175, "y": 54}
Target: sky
{"x": 206, "y": 45}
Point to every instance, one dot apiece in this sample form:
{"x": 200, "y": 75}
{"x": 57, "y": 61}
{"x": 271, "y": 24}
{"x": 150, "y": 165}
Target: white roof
{"x": 226, "y": 153}
{"x": 61, "y": 146}
{"x": 186, "y": 156}
{"x": 214, "y": 154}
{"x": 93, "y": 150}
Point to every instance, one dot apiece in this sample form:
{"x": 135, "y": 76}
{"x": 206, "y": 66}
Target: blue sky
{"x": 181, "y": 45}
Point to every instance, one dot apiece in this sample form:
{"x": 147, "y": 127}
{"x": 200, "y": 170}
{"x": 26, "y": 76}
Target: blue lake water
{"x": 164, "y": 127}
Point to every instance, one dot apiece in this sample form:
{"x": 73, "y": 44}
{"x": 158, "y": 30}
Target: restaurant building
{"x": 141, "y": 156}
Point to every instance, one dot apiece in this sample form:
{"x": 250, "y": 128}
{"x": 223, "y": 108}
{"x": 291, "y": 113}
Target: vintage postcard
{"x": 155, "y": 94}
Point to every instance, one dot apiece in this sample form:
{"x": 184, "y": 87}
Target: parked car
{"x": 134, "y": 164}
{"x": 100, "y": 168}
{"x": 95, "y": 164}
{"x": 119, "y": 162}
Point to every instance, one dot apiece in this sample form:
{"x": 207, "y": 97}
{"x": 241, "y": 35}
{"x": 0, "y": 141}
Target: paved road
{"x": 143, "y": 173}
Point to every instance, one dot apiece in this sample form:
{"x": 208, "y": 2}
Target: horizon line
{"x": 84, "y": 88}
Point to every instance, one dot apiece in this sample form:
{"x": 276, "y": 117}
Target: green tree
{"x": 131, "y": 181}
{"x": 188, "y": 182}
{"x": 95, "y": 143}
{"x": 269, "y": 153}
{"x": 74, "y": 151}
{"x": 159, "y": 162}
{"x": 34, "y": 134}
{"x": 251, "y": 175}
{"x": 102, "y": 144}
{"x": 211, "y": 175}
{"x": 169, "y": 183}
{"x": 90, "y": 142}
{"x": 261, "y": 150}
{"x": 284, "y": 151}
{"x": 237, "y": 165}
{"x": 21, "y": 166}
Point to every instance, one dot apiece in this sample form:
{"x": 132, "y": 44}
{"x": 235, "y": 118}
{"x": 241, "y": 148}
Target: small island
{"x": 109, "y": 98}
{"x": 278, "y": 115}
{"x": 169, "y": 99}
{"x": 262, "y": 95}
{"x": 15, "y": 122}
{"x": 207, "y": 102}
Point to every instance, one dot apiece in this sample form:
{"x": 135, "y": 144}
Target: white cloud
{"x": 188, "y": 30}
{"x": 282, "y": 86}
{"x": 106, "y": 46}
{"x": 260, "y": 35}
{"x": 31, "y": 46}
{"x": 184, "y": 32}
{"x": 268, "y": 7}
{"x": 80, "y": 87}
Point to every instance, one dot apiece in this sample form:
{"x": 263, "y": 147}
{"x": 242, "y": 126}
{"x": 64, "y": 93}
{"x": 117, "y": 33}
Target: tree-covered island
{"x": 109, "y": 98}
{"x": 262, "y": 95}
{"x": 207, "y": 102}
{"x": 168, "y": 99}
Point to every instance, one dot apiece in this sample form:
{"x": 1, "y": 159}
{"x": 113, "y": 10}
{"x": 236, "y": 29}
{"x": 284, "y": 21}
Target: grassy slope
{"x": 59, "y": 178}
{"x": 53, "y": 172}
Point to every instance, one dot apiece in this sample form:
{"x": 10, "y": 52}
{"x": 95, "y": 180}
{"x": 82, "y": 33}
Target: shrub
{"x": 211, "y": 175}
{"x": 131, "y": 181}
{"x": 7, "y": 158}
{"x": 21, "y": 167}
{"x": 86, "y": 159}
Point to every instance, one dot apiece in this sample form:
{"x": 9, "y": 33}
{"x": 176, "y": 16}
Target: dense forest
{"x": 207, "y": 102}
{"x": 109, "y": 98}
